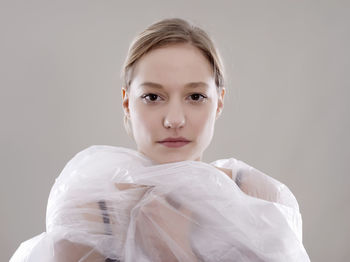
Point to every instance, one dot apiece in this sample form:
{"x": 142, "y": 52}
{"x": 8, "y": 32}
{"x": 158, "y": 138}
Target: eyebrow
{"x": 188, "y": 85}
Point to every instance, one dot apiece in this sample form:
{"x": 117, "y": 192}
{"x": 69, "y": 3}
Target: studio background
{"x": 286, "y": 108}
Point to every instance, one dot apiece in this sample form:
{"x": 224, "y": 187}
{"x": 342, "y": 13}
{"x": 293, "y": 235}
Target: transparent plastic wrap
{"x": 114, "y": 204}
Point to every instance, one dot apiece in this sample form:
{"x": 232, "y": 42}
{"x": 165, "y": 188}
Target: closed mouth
{"x": 174, "y": 139}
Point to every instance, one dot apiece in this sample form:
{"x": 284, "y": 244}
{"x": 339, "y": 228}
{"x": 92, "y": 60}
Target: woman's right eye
{"x": 150, "y": 97}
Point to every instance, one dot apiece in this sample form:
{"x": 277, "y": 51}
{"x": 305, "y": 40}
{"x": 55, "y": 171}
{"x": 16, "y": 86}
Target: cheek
{"x": 203, "y": 120}
{"x": 143, "y": 119}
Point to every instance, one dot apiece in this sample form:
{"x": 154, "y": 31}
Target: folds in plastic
{"x": 114, "y": 204}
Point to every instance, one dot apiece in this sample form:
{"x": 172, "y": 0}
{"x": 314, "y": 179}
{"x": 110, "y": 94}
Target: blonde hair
{"x": 167, "y": 32}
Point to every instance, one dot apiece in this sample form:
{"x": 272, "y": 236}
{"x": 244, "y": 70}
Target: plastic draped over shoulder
{"x": 114, "y": 204}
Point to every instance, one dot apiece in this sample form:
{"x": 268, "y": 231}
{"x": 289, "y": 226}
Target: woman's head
{"x": 173, "y": 87}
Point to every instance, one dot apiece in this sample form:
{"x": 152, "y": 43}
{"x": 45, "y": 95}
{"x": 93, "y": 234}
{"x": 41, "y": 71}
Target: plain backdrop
{"x": 286, "y": 108}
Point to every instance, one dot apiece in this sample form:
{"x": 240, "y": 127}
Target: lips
{"x": 175, "y": 139}
{"x": 174, "y": 142}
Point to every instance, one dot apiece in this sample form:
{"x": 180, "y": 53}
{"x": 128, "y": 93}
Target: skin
{"x": 172, "y": 108}
{"x": 190, "y": 111}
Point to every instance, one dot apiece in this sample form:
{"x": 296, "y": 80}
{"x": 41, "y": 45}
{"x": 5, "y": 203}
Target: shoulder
{"x": 106, "y": 152}
{"x": 96, "y": 160}
{"x": 257, "y": 184}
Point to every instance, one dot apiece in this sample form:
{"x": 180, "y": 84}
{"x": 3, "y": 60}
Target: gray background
{"x": 286, "y": 110}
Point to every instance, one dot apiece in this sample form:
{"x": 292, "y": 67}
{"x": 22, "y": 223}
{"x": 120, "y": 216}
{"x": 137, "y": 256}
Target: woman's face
{"x": 173, "y": 94}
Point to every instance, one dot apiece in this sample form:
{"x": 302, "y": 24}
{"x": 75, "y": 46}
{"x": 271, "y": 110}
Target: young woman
{"x": 161, "y": 202}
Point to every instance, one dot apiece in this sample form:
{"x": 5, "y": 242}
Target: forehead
{"x": 178, "y": 64}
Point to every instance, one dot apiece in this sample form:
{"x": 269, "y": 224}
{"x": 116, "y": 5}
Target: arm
{"x": 257, "y": 184}
{"x": 65, "y": 250}
{"x": 97, "y": 219}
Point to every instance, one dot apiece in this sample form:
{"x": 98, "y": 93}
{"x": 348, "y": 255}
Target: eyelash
{"x": 203, "y": 97}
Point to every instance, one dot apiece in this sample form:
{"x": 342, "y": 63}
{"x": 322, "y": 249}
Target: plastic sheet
{"x": 114, "y": 204}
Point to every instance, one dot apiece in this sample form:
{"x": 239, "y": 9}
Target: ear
{"x": 220, "y": 102}
{"x": 125, "y": 104}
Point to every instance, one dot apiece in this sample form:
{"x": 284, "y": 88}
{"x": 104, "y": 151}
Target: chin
{"x": 165, "y": 155}
{"x": 166, "y": 161}
{"x": 179, "y": 158}
{"x": 170, "y": 159}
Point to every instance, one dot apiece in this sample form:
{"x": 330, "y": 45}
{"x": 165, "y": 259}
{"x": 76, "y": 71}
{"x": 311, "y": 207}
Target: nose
{"x": 175, "y": 116}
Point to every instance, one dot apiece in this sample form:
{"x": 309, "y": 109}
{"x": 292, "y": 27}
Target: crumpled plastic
{"x": 114, "y": 204}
